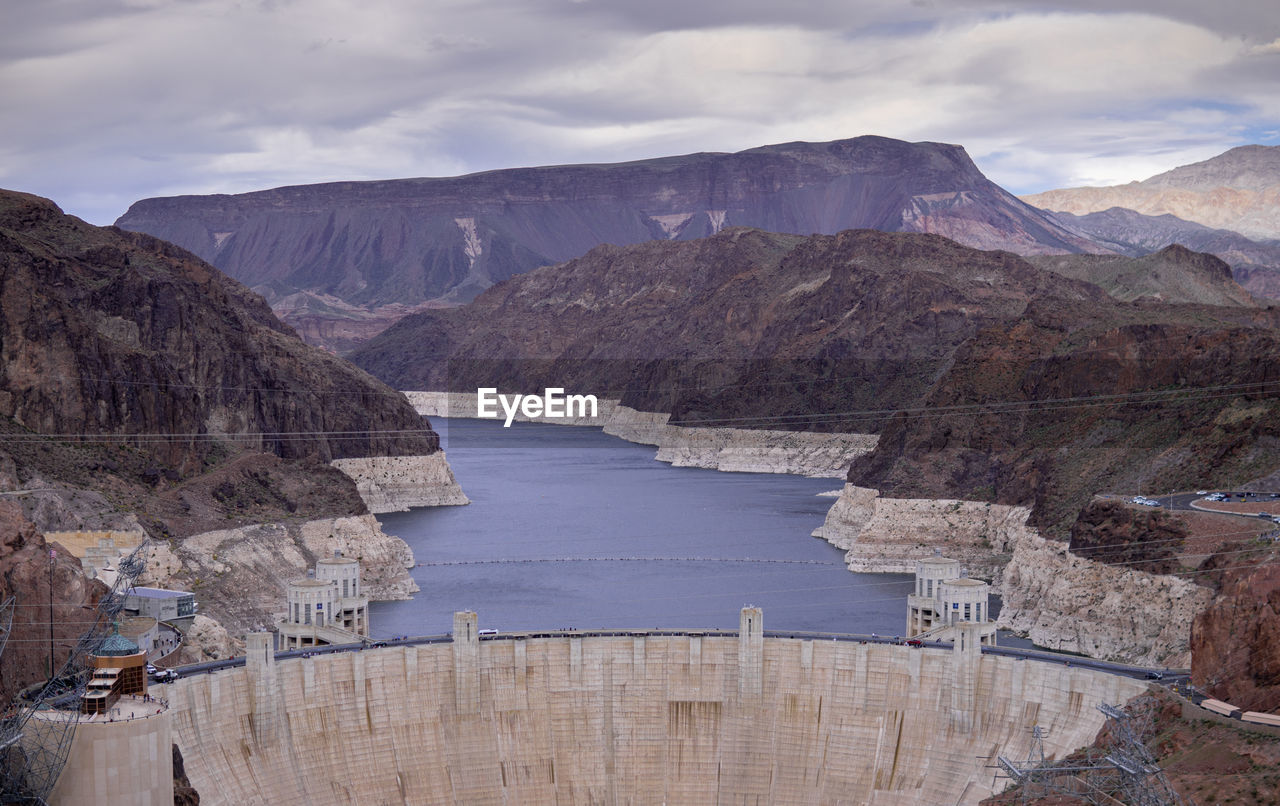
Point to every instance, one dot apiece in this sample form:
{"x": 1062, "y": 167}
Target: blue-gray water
{"x": 553, "y": 492}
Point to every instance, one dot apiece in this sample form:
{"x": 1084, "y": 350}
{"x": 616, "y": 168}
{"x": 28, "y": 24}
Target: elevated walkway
{"x": 949, "y": 633}
{"x": 297, "y": 636}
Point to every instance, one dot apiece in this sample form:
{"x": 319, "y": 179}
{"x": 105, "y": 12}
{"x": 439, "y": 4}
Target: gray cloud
{"x": 110, "y": 102}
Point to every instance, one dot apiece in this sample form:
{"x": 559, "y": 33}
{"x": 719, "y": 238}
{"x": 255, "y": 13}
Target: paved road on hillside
{"x": 1183, "y": 501}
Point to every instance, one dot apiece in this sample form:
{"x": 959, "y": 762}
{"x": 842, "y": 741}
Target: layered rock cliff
{"x": 1062, "y": 601}
{"x": 396, "y": 483}
{"x": 405, "y": 241}
{"x": 889, "y": 535}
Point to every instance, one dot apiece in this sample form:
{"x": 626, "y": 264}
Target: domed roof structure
{"x": 116, "y": 645}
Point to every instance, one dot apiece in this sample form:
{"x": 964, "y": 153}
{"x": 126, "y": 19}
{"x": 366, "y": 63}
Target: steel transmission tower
{"x": 36, "y": 730}
{"x": 1126, "y": 773}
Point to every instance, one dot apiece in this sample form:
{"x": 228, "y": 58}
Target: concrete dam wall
{"x": 627, "y": 720}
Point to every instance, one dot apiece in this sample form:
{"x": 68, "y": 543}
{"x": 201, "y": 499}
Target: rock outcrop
{"x": 888, "y": 535}
{"x": 1235, "y": 643}
{"x": 372, "y": 244}
{"x": 1057, "y": 599}
{"x": 396, "y": 483}
{"x": 1174, "y": 274}
{"x": 115, "y": 333}
{"x": 44, "y": 584}
{"x": 1052, "y": 410}
{"x": 206, "y": 639}
{"x": 1069, "y": 603}
{"x": 240, "y": 574}
{"x": 758, "y": 451}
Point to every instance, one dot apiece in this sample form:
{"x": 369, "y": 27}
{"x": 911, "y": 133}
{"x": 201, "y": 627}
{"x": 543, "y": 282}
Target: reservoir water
{"x": 570, "y": 527}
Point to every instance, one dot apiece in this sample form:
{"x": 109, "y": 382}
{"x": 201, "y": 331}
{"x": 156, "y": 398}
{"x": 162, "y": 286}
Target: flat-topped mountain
{"x": 1238, "y": 190}
{"x": 409, "y": 241}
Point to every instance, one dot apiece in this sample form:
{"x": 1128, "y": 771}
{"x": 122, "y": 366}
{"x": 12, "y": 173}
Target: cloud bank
{"x": 109, "y": 101}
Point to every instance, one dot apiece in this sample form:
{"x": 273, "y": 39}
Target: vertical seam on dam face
{"x": 626, "y": 720}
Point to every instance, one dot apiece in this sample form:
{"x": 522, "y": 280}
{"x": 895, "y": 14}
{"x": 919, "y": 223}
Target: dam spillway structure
{"x": 649, "y": 717}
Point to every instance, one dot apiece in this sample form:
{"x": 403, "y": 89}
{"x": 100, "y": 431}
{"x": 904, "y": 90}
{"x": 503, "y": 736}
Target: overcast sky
{"x": 104, "y": 102}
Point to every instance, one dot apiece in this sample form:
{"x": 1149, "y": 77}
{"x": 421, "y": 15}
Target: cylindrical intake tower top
{"x": 933, "y": 570}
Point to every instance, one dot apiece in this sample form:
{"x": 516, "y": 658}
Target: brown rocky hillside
{"x": 142, "y": 388}
{"x": 986, "y": 376}
{"x": 343, "y": 259}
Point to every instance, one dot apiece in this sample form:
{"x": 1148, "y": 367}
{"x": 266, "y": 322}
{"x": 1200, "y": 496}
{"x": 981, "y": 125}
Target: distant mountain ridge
{"x": 1254, "y": 264}
{"x": 1238, "y": 190}
{"x": 409, "y": 241}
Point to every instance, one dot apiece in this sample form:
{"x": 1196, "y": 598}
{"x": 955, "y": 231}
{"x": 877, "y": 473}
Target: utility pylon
{"x": 1126, "y": 773}
{"x": 33, "y": 749}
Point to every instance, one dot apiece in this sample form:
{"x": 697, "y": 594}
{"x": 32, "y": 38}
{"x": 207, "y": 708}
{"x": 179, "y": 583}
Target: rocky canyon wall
{"x": 1057, "y": 599}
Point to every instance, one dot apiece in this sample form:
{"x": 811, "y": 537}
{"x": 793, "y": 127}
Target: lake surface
{"x": 565, "y": 508}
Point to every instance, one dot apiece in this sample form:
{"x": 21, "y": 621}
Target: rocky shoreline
{"x": 1057, "y": 599}
{"x": 738, "y": 450}
{"x": 396, "y": 483}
